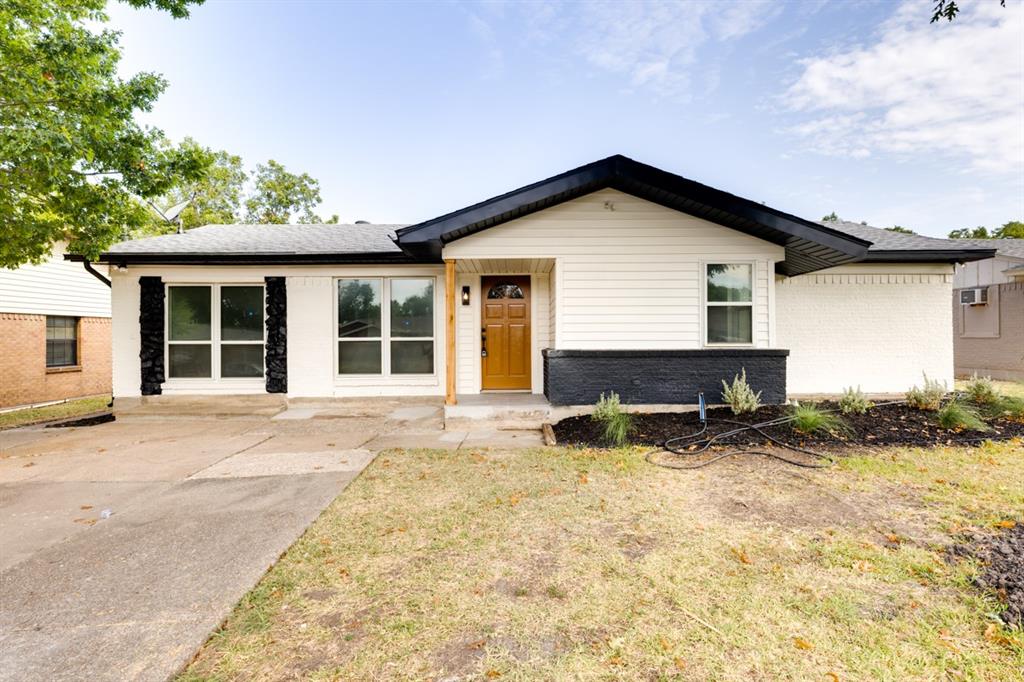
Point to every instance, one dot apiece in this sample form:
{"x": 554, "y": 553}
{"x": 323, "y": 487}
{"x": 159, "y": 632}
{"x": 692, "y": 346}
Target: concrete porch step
{"x": 501, "y": 411}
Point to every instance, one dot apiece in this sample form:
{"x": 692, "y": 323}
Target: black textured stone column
{"x": 277, "y": 336}
{"x": 151, "y": 334}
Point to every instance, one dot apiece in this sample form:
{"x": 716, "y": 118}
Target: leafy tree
{"x": 830, "y": 218}
{"x": 278, "y": 195}
{"x": 215, "y": 198}
{"x": 979, "y": 232}
{"x": 948, "y": 9}
{"x": 72, "y": 157}
{"x": 900, "y": 229}
{"x": 1011, "y": 230}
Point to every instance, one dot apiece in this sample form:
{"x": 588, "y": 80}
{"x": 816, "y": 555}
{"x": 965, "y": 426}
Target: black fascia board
{"x": 928, "y": 255}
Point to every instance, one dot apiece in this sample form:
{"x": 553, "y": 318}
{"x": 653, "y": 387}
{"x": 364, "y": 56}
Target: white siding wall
{"x": 981, "y": 273}
{"x": 876, "y": 326}
{"x": 54, "y": 287}
{"x": 124, "y": 331}
{"x": 627, "y": 271}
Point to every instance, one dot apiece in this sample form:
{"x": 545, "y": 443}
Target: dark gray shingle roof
{"x": 360, "y": 238}
{"x": 886, "y": 240}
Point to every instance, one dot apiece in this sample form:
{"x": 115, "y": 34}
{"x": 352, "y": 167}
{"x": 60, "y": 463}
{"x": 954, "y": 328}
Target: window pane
{"x": 189, "y": 361}
{"x": 412, "y": 307}
{"x": 241, "y": 360}
{"x": 241, "y": 313}
{"x": 729, "y": 324}
{"x": 359, "y": 357}
{"x": 729, "y": 283}
{"x": 190, "y": 314}
{"x": 61, "y": 341}
{"x": 359, "y": 308}
{"x": 412, "y": 357}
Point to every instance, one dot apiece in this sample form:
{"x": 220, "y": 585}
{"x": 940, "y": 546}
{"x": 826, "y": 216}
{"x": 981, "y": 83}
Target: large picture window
{"x": 61, "y": 341}
{"x": 730, "y": 303}
{"x": 215, "y": 331}
{"x": 386, "y": 326}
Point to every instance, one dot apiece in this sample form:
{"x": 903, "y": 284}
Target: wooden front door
{"x": 505, "y": 332}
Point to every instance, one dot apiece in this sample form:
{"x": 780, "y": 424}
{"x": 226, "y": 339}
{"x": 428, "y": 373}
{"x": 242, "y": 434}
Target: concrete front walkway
{"x": 124, "y": 545}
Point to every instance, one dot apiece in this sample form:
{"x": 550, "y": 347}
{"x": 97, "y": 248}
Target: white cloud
{"x": 654, "y": 44}
{"x": 956, "y": 89}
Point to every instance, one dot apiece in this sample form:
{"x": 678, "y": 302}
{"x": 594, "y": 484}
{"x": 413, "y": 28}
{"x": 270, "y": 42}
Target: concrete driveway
{"x": 124, "y": 545}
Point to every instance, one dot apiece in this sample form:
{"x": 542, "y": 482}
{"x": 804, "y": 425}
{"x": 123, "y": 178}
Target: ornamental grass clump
{"x": 957, "y": 415}
{"x": 981, "y": 390}
{"x": 854, "y": 402}
{"x": 1006, "y": 407}
{"x": 929, "y": 397}
{"x": 809, "y": 418}
{"x": 616, "y": 423}
{"x": 739, "y": 396}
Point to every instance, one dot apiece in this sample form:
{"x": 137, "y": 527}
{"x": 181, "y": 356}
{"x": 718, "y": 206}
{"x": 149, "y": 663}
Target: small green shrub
{"x": 809, "y": 418}
{"x": 928, "y": 397}
{"x": 854, "y": 402}
{"x": 981, "y": 390}
{"x": 1007, "y": 407}
{"x": 957, "y": 415}
{"x": 617, "y": 423}
{"x": 739, "y": 396}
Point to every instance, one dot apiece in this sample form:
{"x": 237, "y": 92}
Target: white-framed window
{"x": 728, "y": 304}
{"x": 385, "y": 326}
{"x": 215, "y": 331}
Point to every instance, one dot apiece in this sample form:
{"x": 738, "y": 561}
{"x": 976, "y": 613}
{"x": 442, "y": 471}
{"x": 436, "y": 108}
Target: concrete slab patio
{"x": 123, "y": 545}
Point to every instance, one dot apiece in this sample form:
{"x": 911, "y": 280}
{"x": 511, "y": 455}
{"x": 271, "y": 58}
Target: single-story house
{"x": 54, "y": 332}
{"x": 613, "y": 276}
{"x": 988, "y": 312}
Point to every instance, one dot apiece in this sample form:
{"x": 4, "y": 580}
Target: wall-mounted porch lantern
{"x": 465, "y": 295}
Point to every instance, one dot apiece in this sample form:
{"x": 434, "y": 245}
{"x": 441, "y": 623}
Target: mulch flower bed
{"x": 892, "y": 424}
{"x": 1002, "y": 557}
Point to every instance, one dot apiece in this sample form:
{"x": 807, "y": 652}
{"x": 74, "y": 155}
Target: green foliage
{"x": 1011, "y": 230}
{"x": 854, "y": 402}
{"x": 830, "y": 218}
{"x": 900, "y": 229}
{"x": 809, "y": 418}
{"x": 739, "y": 396}
{"x": 979, "y": 232}
{"x": 617, "y": 423}
{"x": 278, "y": 195}
{"x": 1008, "y": 407}
{"x": 929, "y": 397}
{"x": 957, "y": 415}
{"x": 981, "y": 390}
{"x": 73, "y": 156}
{"x": 948, "y": 9}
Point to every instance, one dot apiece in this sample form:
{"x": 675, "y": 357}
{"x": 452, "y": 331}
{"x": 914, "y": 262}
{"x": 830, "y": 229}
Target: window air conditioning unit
{"x": 977, "y": 296}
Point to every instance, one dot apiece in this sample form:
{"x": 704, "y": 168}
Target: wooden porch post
{"x": 449, "y": 305}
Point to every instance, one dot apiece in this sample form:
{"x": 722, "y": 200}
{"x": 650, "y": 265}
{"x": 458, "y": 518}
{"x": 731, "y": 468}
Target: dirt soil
{"x": 1002, "y": 557}
{"x": 880, "y": 426}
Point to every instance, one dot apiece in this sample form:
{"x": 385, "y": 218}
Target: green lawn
{"x": 562, "y": 564}
{"x": 72, "y": 408}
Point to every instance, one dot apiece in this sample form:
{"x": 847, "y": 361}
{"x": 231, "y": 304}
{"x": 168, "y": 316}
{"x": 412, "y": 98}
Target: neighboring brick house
{"x": 54, "y": 333}
{"x": 988, "y": 334}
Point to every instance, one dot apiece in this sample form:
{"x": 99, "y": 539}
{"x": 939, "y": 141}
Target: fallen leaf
{"x": 478, "y": 644}
{"x": 832, "y": 676}
{"x": 1006, "y": 524}
{"x": 491, "y": 674}
{"x": 680, "y": 663}
{"x": 30, "y": 464}
{"x": 741, "y": 554}
{"x": 615, "y": 660}
{"x": 583, "y": 479}
{"x": 864, "y": 566}
{"x": 663, "y": 643}
{"x": 84, "y": 507}
{"x": 801, "y": 643}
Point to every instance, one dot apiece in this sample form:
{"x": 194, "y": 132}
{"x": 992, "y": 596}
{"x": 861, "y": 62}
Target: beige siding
{"x": 54, "y": 287}
{"x": 627, "y": 271}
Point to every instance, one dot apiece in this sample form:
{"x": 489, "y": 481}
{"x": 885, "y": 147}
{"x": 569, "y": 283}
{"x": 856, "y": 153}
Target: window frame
{"x": 705, "y": 303}
{"x": 385, "y": 338}
{"x": 77, "y": 364}
{"x": 215, "y": 342}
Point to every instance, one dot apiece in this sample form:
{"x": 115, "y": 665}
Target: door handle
{"x": 483, "y": 343}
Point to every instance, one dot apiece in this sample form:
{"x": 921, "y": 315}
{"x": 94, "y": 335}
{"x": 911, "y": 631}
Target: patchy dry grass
{"x": 573, "y": 564}
{"x": 1010, "y": 388}
{"x": 71, "y": 408}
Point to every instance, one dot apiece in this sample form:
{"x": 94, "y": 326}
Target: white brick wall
{"x": 876, "y": 326}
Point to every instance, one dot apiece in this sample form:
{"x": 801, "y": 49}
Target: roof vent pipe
{"x": 362, "y": 222}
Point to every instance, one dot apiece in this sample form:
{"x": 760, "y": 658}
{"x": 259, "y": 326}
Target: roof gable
{"x": 809, "y": 246}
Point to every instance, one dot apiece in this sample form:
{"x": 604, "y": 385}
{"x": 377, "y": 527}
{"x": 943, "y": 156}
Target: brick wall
{"x": 24, "y": 378}
{"x": 1001, "y": 354}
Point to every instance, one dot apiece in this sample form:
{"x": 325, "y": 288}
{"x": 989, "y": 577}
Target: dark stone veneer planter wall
{"x": 151, "y": 334}
{"x": 277, "y": 335}
{"x": 578, "y": 377}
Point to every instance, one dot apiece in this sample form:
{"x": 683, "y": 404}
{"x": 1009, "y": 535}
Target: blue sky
{"x": 405, "y": 111}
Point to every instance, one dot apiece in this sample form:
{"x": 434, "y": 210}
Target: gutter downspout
{"x": 94, "y": 272}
